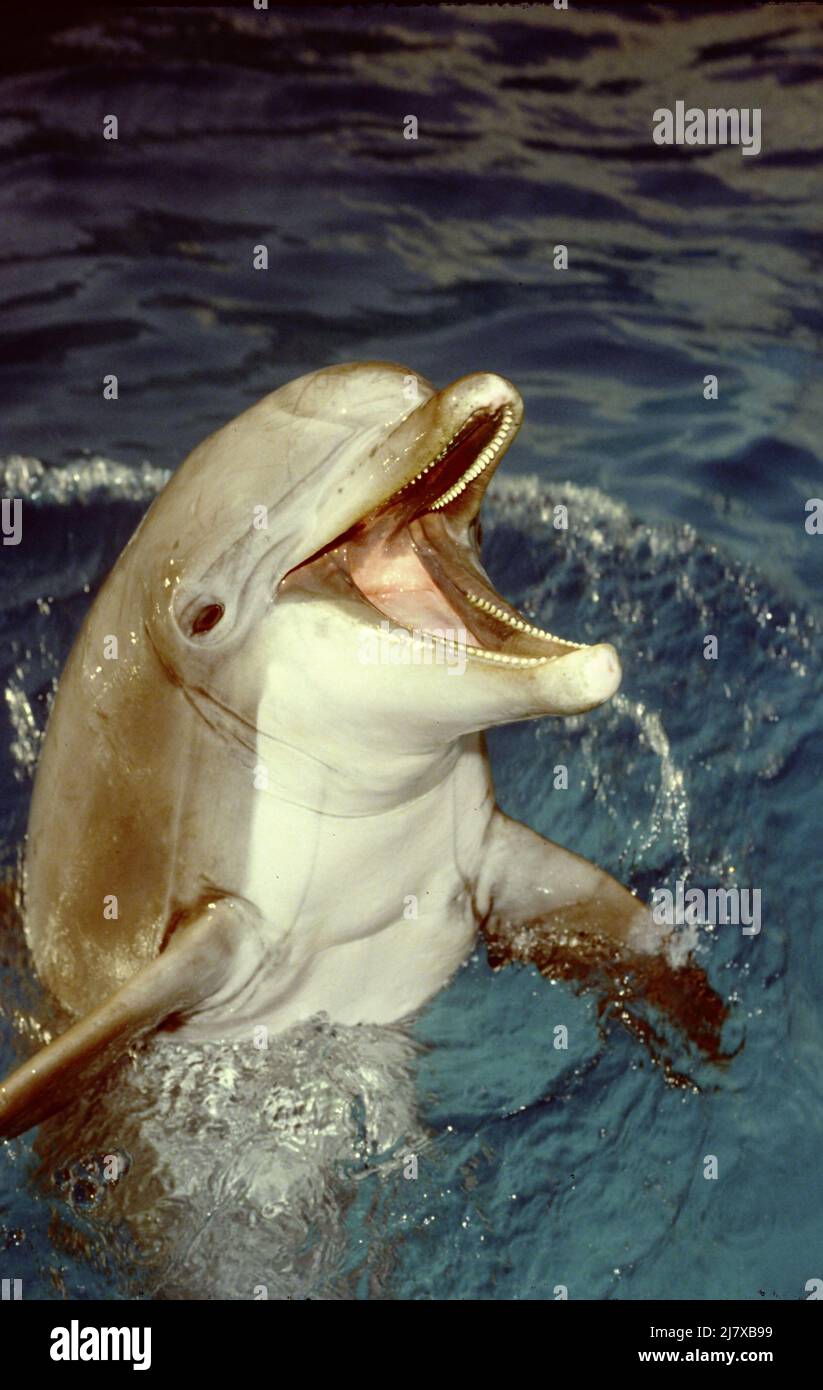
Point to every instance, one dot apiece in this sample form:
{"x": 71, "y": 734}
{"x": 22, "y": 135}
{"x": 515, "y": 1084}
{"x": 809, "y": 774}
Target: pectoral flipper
{"x": 201, "y": 958}
{"x": 540, "y": 904}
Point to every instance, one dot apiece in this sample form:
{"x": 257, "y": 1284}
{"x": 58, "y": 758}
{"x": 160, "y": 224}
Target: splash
{"x": 670, "y": 812}
{"x": 233, "y": 1168}
{"x": 87, "y": 480}
{"x": 27, "y": 734}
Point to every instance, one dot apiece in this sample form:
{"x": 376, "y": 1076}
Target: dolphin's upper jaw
{"x": 414, "y": 557}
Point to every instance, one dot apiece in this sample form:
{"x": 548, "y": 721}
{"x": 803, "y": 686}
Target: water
{"x": 537, "y": 1167}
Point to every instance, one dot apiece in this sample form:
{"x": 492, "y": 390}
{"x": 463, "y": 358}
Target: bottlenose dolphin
{"x": 240, "y": 817}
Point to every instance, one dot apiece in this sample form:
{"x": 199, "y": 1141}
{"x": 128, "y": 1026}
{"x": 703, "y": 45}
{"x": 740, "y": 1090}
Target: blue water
{"x": 539, "y": 1168}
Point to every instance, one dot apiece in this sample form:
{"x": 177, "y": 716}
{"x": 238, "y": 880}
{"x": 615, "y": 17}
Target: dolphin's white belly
{"x": 378, "y": 978}
{"x": 365, "y": 918}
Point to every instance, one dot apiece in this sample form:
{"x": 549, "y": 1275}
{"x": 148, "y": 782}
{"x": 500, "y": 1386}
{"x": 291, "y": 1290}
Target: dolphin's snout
{"x": 483, "y": 390}
{"x": 581, "y": 681}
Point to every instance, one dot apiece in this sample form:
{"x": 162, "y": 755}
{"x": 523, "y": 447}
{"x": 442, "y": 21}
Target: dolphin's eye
{"x": 207, "y": 618}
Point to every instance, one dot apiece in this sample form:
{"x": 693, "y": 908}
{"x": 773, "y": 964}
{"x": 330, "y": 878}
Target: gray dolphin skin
{"x": 248, "y": 775}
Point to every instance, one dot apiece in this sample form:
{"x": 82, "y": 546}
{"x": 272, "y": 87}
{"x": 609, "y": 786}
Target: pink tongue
{"x": 393, "y": 579}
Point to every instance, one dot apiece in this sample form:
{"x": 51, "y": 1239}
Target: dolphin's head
{"x": 317, "y": 564}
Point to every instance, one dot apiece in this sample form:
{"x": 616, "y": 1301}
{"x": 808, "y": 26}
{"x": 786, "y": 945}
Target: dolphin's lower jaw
{"x": 414, "y": 556}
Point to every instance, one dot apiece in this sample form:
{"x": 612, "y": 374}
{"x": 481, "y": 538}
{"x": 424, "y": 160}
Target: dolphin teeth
{"x": 520, "y": 625}
{"x": 481, "y": 463}
{"x": 500, "y": 658}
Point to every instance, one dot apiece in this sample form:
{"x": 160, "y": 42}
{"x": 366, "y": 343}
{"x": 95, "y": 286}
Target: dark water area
{"x": 135, "y": 257}
{"x": 286, "y": 129}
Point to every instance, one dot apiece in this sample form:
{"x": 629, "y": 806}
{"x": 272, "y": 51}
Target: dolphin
{"x": 263, "y": 791}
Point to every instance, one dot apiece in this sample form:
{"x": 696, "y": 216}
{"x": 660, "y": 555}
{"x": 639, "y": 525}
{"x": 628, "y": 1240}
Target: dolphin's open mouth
{"x": 415, "y": 558}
